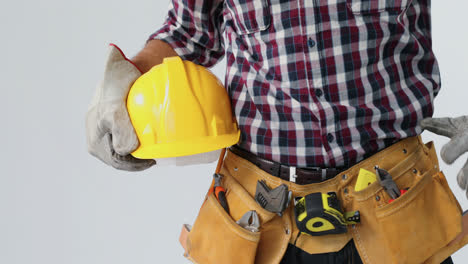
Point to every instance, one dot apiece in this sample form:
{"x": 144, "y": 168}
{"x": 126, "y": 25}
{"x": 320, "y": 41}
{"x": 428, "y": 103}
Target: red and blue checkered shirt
{"x": 315, "y": 82}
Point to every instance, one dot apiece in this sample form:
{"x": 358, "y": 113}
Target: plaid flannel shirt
{"x": 315, "y": 82}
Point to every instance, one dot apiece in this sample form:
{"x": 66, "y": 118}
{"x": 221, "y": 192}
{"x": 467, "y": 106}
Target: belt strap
{"x": 298, "y": 175}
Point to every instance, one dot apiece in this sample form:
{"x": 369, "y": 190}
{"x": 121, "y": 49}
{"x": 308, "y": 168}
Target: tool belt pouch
{"x": 216, "y": 237}
{"x": 416, "y": 225}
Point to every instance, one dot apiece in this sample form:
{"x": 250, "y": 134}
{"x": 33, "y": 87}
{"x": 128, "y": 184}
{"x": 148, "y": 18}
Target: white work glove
{"x": 457, "y": 130}
{"x": 110, "y": 134}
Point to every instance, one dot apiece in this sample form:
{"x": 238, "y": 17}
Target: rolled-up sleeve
{"x": 194, "y": 29}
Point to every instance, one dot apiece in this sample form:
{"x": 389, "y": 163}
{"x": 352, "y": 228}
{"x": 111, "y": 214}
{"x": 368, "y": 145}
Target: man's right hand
{"x": 110, "y": 134}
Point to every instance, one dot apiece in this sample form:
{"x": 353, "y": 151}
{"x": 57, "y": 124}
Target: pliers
{"x": 385, "y": 180}
{"x": 250, "y": 221}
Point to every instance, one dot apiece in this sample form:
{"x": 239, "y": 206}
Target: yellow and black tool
{"x": 365, "y": 178}
{"x": 320, "y": 214}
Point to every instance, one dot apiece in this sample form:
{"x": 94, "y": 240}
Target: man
{"x": 313, "y": 83}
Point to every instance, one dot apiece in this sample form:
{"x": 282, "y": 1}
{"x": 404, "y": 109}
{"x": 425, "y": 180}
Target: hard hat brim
{"x": 185, "y": 148}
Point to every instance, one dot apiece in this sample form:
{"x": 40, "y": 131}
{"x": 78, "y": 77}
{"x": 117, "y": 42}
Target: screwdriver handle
{"x": 220, "y": 193}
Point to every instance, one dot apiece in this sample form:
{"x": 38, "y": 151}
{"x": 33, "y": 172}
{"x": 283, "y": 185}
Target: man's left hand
{"x": 457, "y": 130}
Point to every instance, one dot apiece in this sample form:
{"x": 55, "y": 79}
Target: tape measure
{"x": 320, "y": 214}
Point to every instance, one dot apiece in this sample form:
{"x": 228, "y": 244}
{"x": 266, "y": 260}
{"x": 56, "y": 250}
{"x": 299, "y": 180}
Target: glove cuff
{"x": 125, "y": 57}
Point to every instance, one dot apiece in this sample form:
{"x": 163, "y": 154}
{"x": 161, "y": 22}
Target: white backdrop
{"x": 60, "y": 205}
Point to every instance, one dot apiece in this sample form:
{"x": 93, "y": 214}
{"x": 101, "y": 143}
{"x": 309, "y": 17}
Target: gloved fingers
{"x": 105, "y": 152}
{"x": 130, "y": 163}
{"x": 441, "y": 126}
{"x": 124, "y": 139}
{"x": 125, "y": 162}
{"x": 462, "y": 178}
{"x": 454, "y": 148}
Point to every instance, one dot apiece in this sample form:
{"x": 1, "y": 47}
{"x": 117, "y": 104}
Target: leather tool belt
{"x": 418, "y": 227}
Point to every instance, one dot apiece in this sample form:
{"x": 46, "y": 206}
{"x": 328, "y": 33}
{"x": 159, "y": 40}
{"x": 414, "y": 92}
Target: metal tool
{"x": 386, "y": 181}
{"x": 250, "y": 221}
{"x": 274, "y": 200}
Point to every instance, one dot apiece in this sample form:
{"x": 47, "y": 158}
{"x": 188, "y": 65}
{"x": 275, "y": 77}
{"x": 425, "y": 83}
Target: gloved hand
{"x": 457, "y": 130}
{"x": 110, "y": 134}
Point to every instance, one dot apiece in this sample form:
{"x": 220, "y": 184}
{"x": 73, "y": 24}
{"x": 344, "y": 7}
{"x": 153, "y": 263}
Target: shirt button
{"x": 330, "y": 137}
{"x": 318, "y": 92}
{"x": 311, "y": 42}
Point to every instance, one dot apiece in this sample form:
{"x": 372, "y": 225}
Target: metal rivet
{"x": 287, "y": 231}
{"x": 346, "y": 190}
{"x": 377, "y": 198}
{"x": 344, "y": 177}
{"x": 353, "y": 226}
{"x": 404, "y": 151}
{"x": 415, "y": 171}
{"x": 435, "y": 166}
{"x": 236, "y": 169}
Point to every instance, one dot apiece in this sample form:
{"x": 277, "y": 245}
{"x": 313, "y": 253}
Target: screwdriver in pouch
{"x": 220, "y": 192}
{"x": 216, "y": 188}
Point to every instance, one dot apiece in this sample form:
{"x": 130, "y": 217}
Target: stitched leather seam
{"x": 362, "y": 248}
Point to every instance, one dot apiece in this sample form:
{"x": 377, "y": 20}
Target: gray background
{"x": 60, "y": 205}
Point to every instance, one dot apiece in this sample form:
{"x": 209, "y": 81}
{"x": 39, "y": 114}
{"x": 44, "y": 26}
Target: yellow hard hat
{"x": 179, "y": 108}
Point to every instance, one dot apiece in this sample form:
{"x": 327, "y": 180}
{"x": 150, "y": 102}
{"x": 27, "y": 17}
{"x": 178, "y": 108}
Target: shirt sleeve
{"x": 194, "y": 29}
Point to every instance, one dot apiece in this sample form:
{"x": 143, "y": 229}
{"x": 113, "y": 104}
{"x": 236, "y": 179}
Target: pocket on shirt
{"x": 250, "y": 16}
{"x": 377, "y": 6}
